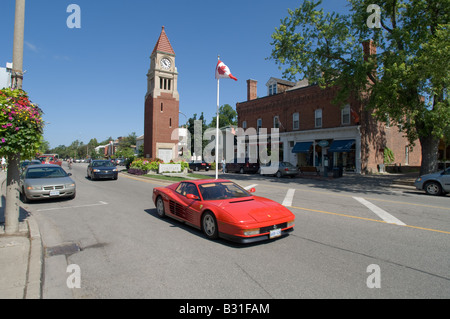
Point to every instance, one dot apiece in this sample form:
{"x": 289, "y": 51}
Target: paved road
{"x": 350, "y": 241}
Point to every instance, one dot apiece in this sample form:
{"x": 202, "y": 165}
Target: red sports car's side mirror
{"x": 191, "y": 196}
{"x": 252, "y": 190}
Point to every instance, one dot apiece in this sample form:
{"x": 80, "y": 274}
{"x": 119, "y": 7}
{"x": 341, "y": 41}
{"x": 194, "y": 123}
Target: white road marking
{"x": 384, "y": 215}
{"x": 100, "y": 203}
{"x": 250, "y": 187}
{"x": 289, "y": 197}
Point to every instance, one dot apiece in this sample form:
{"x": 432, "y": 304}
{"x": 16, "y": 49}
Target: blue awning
{"x": 341, "y": 146}
{"x": 302, "y": 147}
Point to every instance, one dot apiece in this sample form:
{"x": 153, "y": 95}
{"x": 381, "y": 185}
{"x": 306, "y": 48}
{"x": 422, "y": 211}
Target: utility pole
{"x": 12, "y": 179}
{"x": 19, "y": 27}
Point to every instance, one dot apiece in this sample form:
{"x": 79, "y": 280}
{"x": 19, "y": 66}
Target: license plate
{"x": 275, "y": 233}
{"x": 54, "y": 193}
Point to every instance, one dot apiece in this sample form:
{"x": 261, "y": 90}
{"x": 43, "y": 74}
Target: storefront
{"x": 339, "y": 148}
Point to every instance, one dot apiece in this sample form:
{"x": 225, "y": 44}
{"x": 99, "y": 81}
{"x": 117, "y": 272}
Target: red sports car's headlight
{"x": 251, "y": 232}
{"x": 291, "y": 223}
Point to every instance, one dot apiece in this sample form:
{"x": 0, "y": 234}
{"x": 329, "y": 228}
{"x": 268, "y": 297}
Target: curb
{"x": 33, "y": 288}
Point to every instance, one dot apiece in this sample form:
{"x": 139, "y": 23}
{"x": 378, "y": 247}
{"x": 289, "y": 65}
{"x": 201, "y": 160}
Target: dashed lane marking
{"x": 289, "y": 197}
{"x": 384, "y": 215}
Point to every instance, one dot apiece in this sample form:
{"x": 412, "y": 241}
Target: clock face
{"x": 165, "y": 63}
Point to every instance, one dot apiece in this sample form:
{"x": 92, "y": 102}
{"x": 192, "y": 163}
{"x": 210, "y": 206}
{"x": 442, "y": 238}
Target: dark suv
{"x": 241, "y": 165}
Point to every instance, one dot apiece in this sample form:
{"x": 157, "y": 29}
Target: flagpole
{"x": 217, "y": 131}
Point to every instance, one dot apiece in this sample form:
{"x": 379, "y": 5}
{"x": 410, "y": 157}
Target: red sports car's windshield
{"x": 222, "y": 190}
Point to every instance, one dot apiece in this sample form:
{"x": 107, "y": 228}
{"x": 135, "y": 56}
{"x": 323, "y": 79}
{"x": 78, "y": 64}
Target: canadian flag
{"x": 223, "y": 72}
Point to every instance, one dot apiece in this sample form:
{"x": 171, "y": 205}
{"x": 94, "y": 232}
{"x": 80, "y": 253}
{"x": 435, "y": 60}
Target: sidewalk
{"x": 21, "y": 256}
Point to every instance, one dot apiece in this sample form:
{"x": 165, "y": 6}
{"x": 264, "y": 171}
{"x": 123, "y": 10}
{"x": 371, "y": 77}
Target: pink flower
{"x": 3, "y": 140}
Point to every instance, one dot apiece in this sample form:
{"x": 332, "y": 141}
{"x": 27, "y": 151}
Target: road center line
{"x": 100, "y": 203}
{"x": 384, "y": 215}
{"x": 289, "y": 197}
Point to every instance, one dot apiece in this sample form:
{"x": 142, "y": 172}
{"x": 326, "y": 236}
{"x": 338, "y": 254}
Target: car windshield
{"x": 45, "y": 172}
{"x": 222, "y": 190}
{"x": 102, "y": 163}
{"x": 287, "y": 164}
{"x": 44, "y": 158}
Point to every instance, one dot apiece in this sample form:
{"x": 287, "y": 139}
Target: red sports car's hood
{"x": 253, "y": 208}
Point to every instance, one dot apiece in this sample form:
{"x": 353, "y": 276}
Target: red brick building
{"x": 315, "y": 132}
{"x": 161, "y": 102}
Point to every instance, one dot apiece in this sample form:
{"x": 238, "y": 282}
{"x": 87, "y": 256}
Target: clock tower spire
{"x": 161, "y": 102}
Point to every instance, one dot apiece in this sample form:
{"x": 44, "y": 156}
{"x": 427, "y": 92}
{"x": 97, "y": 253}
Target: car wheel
{"x": 24, "y": 197}
{"x": 433, "y": 188}
{"x": 278, "y": 174}
{"x": 160, "y": 207}
{"x": 209, "y": 225}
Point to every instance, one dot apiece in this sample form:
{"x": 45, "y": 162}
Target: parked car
{"x": 434, "y": 184}
{"x": 99, "y": 169}
{"x": 242, "y": 166}
{"x": 45, "y": 181}
{"x": 283, "y": 169}
{"x": 50, "y": 159}
{"x": 199, "y": 166}
{"x": 120, "y": 161}
{"x": 25, "y": 163}
{"x": 221, "y": 208}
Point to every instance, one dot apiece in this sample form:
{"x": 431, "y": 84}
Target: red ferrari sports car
{"x": 221, "y": 208}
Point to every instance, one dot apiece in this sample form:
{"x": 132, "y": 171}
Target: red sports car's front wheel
{"x": 160, "y": 207}
{"x": 209, "y": 225}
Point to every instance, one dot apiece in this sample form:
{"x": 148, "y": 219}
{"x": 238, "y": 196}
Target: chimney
{"x": 369, "y": 49}
{"x": 251, "y": 89}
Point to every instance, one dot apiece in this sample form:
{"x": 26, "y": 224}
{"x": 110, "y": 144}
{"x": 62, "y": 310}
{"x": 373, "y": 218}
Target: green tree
{"x": 406, "y": 81}
{"x": 21, "y": 129}
{"x": 227, "y": 116}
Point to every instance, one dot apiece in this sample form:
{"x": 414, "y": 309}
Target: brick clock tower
{"x": 161, "y": 103}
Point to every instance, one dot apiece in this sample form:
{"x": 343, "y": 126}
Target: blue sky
{"x": 91, "y": 82}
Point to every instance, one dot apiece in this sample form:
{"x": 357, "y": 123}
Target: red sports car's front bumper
{"x": 253, "y": 239}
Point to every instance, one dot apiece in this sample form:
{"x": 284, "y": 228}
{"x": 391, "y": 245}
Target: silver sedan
{"x": 434, "y": 184}
{"x": 46, "y": 181}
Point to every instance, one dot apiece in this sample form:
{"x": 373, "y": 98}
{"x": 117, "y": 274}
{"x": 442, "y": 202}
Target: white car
{"x": 434, "y": 184}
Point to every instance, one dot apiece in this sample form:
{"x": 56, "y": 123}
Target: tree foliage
{"x": 405, "y": 82}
